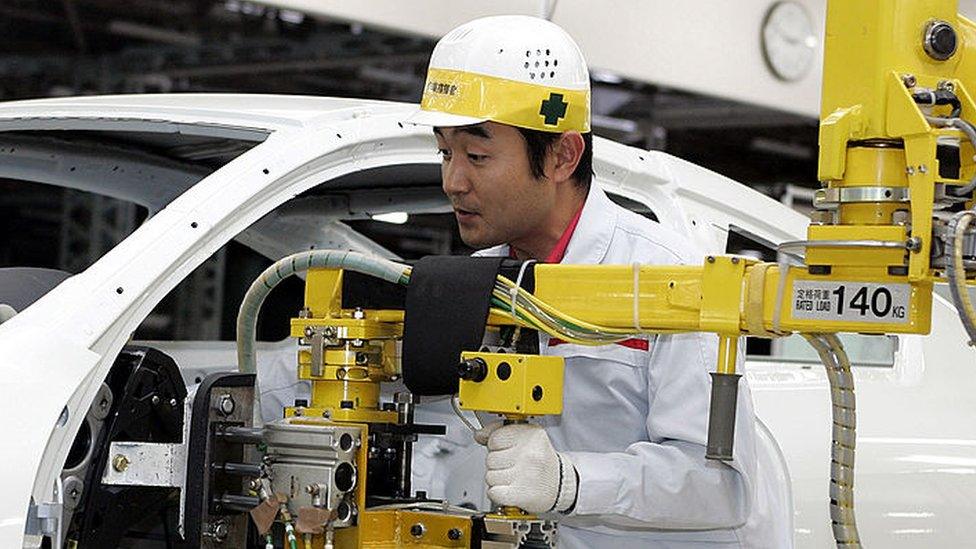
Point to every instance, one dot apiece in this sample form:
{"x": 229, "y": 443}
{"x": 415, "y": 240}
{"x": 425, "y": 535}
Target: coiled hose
{"x": 956, "y": 271}
{"x": 843, "y": 438}
{"x": 247, "y": 316}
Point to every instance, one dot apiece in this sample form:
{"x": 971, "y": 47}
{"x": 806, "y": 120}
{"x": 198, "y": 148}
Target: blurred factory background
{"x": 743, "y": 103}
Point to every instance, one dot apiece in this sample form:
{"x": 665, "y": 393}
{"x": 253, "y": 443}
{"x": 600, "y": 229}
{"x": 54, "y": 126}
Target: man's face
{"x": 486, "y": 175}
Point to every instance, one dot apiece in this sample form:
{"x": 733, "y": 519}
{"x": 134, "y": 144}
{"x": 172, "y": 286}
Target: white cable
{"x": 514, "y": 290}
{"x": 513, "y": 295}
{"x": 460, "y": 414}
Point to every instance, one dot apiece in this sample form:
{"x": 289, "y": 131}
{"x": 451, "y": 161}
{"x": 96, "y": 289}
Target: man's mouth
{"x": 463, "y": 214}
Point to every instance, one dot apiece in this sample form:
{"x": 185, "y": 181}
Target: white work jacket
{"x": 634, "y": 423}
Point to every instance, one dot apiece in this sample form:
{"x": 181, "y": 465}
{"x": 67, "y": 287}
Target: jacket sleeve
{"x": 666, "y": 482}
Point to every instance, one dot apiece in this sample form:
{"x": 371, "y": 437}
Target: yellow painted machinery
{"x": 898, "y": 173}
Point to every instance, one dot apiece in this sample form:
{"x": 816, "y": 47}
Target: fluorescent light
{"x": 398, "y": 218}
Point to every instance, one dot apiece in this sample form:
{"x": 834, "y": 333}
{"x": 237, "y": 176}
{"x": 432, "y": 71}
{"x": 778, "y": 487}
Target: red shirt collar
{"x": 559, "y": 251}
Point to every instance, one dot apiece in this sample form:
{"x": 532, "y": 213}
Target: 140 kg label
{"x": 850, "y": 301}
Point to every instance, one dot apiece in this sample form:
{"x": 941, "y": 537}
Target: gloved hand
{"x": 525, "y": 471}
{"x": 482, "y": 435}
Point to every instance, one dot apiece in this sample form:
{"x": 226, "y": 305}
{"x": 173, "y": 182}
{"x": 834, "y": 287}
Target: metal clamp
{"x": 825, "y": 198}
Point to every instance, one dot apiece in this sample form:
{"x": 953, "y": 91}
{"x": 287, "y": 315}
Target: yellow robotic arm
{"x": 898, "y": 173}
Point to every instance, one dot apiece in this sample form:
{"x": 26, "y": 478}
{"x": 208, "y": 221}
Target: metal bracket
{"x": 45, "y": 520}
{"x": 152, "y": 464}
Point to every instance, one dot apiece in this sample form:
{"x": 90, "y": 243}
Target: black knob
{"x": 473, "y": 369}
{"x": 940, "y": 40}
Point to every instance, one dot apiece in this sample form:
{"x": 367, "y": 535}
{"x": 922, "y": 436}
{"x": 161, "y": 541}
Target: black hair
{"x": 539, "y": 143}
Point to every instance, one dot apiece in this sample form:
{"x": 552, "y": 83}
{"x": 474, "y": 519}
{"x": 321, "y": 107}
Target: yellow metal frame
{"x": 533, "y": 385}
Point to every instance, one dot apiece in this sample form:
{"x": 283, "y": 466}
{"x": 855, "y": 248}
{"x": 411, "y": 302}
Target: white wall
{"x": 707, "y": 46}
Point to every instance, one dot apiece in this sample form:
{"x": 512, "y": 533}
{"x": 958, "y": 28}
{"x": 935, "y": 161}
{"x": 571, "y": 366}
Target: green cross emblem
{"x": 553, "y": 109}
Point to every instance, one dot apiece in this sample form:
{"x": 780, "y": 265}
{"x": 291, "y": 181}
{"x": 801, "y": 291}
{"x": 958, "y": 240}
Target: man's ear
{"x": 565, "y": 156}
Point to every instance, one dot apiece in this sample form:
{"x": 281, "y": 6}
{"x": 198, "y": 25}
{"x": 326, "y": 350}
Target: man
{"x": 624, "y": 465}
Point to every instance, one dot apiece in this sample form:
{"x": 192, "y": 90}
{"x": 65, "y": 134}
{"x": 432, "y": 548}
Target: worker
{"x": 624, "y": 466}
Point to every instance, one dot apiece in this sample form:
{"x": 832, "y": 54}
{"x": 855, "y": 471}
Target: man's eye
{"x": 477, "y": 157}
{"x": 446, "y": 154}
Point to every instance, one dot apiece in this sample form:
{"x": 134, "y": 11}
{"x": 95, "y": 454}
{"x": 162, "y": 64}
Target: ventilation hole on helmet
{"x": 542, "y": 75}
{"x": 538, "y": 52}
{"x": 500, "y": 50}
{"x": 547, "y": 62}
{"x": 526, "y": 64}
{"x": 552, "y": 74}
{"x": 555, "y": 62}
{"x": 547, "y": 52}
{"x": 532, "y": 75}
{"x": 527, "y": 53}
{"x": 537, "y": 64}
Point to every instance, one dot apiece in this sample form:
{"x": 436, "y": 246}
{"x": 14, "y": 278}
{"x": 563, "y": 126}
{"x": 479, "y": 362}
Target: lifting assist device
{"x": 894, "y": 217}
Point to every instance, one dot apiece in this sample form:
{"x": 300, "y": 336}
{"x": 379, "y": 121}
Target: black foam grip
{"x": 721, "y": 416}
{"x": 446, "y": 311}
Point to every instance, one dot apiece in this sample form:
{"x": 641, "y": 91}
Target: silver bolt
{"x": 711, "y": 259}
{"x": 120, "y": 463}
{"x": 73, "y": 487}
{"x": 909, "y": 80}
{"x": 219, "y": 530}
{"x": 225, "y": 405}
{"x": 155, "y": 400}
{"x": 910, "y": 170}
{"x": 329, "y": 331}
{"x": 308, "y": 331}
{"x": 358, "y": 313}
{"x": 922, "y": 168}
{"x": 357, "y": 343}
{"x": 312, "y": 490}
{"x": 172, "y": 402}
{"x": 914, "y": 244}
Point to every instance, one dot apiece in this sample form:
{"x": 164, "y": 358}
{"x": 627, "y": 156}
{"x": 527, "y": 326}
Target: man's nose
{"x": 454, "y": 179}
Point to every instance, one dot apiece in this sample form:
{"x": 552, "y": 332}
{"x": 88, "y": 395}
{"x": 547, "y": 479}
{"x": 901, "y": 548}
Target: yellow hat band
{"x": 531, "y": 106}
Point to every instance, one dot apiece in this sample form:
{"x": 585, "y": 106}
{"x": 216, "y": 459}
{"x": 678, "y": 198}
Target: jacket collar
{"x": 591, "y": 240}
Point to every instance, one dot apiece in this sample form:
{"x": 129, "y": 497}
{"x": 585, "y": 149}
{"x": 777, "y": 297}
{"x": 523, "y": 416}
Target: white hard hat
{"x": 513, "y": 69}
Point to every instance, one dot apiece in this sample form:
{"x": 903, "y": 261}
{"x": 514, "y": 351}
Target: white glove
{"x": 525, "y": 471}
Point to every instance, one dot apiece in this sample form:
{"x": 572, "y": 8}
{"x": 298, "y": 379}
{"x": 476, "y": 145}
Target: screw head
{"x": 454, "y": 534}
{"x": 120, "y": 462}
{"x": 418, "y": 530}
{"x": 226, "y": 405}
{"x": 909, "y": 80}
{"x": 219, "y": 530}
{"x": 914, "y": 244}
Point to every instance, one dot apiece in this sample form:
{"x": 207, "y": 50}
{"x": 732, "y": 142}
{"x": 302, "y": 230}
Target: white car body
{"x": 917, "y": 443}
